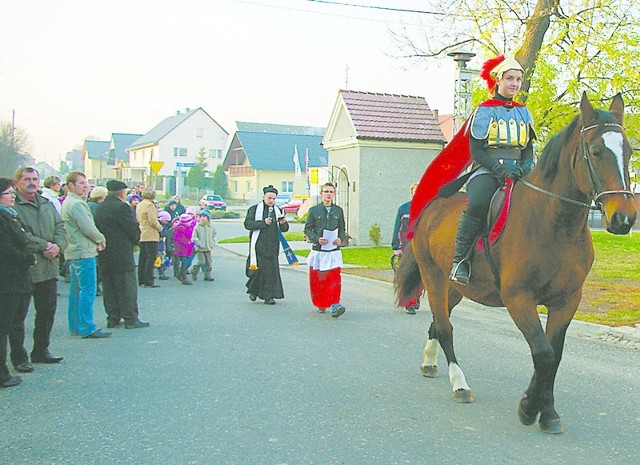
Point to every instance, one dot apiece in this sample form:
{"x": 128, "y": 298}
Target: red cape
{"x": 445, "y": 168}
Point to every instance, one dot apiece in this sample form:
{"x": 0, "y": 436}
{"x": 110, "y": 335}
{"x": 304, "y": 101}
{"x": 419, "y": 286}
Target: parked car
{"x": 282, "y": 199}
{"x": 213, "y": 202}
{"x": 292, "y": 207}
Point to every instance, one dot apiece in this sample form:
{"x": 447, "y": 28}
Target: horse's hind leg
{"x": 429, "y": 367}
{"x": 442, "y": 299}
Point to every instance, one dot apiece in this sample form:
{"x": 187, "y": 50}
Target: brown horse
{"x": 542, "y": 257}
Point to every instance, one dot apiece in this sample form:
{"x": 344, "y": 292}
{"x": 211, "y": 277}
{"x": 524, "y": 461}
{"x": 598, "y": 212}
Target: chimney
{"x": 177, "y": 112}
{"x": 186, "y": 110}
{"x": 435, "y": 113}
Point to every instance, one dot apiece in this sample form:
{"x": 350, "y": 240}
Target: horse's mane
{"x": 548, "y": 159}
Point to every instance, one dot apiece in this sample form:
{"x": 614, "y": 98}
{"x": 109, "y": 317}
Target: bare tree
{"x": 14, "y": 148}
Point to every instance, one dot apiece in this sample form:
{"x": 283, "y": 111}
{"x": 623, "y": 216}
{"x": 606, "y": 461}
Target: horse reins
{"x": 558, "y": 196}
{"x": 596, "y": 183}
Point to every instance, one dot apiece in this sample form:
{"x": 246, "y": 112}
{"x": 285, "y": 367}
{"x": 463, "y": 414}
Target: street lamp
{"x": 462, "y": 91}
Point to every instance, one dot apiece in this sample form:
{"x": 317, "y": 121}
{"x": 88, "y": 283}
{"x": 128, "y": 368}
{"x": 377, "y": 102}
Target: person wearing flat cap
{"x": 120, "y": 290}
{"x": 263, "y": 221}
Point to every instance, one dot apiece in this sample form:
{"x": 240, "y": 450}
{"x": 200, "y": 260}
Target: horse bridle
{"x": 596, "y": 182}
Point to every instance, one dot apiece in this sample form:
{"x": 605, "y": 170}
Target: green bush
{"x": 299, "y": 219}
{"x": 375, "y": 235}
{"x": 220, "y": 215}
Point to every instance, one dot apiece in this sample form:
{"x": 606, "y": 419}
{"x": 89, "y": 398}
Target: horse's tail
{"x": 407, "y": 280}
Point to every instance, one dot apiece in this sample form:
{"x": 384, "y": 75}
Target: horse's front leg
{"x": 558, "y": 320}
{"x": 546, "y": 352}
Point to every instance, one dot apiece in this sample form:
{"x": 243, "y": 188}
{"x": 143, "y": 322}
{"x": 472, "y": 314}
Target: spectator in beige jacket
{"x": 84, "y": 243}
{"x": 150, "y": 228}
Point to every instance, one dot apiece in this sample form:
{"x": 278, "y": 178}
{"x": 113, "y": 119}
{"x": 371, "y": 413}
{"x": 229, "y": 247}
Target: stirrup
{"x": 462, "y": 279}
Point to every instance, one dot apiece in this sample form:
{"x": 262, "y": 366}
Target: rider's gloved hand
{"x": 501, "y": 171}
{"x": 397, "y": 252}
{"x": 517, "y": 172}
{"x": 526, "y": 167}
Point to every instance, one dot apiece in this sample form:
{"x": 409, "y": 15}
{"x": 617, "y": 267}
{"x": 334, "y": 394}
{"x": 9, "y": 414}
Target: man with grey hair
{"x": 113, "y": 219}
{"x": 45, "y": 230}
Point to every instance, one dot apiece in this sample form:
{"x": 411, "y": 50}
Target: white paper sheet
{"x": 330, "y": 236}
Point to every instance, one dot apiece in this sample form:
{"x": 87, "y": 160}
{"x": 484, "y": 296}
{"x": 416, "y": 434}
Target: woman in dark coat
{"x": 15, "y": 282}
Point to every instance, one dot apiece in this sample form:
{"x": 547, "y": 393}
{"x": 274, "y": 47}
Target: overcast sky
{"x": 77, "y": 68}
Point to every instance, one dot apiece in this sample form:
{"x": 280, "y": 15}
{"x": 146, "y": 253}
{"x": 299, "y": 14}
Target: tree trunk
{"x": 536, "y": 29}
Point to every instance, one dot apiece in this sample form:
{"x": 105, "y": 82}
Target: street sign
{"x": 314, "y": 175}
{"x": 156, "y": 166}
{"x": 185, "y": 165}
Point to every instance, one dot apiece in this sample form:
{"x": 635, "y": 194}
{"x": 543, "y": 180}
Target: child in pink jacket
{"x": 182, "y": 245}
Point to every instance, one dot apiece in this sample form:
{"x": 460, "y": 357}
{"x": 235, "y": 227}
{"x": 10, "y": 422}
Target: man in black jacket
{"x": 113, "y": 219}
{"x": 325, "y": 229}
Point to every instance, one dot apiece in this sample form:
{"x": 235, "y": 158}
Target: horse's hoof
{"x": 525, "y": 417}
{"x": 553, "y": 426}
{"x": 463, "y": 396}
{"x": 430, "y": 371}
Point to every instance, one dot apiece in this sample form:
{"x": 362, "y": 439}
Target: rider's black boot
{"x": 468, "y": 230}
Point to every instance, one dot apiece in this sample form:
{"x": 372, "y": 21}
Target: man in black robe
{"x": 263, "y": 221}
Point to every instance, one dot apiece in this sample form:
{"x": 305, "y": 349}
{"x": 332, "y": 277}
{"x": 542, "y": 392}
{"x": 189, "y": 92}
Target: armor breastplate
{"x": 502, "y": 127}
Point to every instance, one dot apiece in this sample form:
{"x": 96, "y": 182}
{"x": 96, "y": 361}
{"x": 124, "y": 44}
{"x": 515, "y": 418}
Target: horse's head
{"x": 605, "y": 153}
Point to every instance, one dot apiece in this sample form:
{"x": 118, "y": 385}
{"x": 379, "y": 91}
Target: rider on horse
{"x": 500, "y": 144}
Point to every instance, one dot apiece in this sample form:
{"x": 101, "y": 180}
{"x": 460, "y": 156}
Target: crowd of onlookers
{"x": 89, "y": 235}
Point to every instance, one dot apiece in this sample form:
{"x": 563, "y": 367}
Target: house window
{"x": 235, "y": 186}
{"x": 199, "y": 132}
{"x": 287, "y": 186}
{"x": 151, "y": 155}
{"x": 248, "y": 186}
{"x": 215, "y": 153}
{"x": 179, "y": 152}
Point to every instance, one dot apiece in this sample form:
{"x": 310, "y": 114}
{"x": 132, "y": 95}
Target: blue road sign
{"x": 185, "y": 165}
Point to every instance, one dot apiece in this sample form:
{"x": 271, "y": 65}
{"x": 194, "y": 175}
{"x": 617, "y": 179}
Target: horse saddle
{"x": 497, "y": 216}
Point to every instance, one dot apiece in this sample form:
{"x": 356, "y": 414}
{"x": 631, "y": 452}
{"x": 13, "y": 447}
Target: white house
{"x": 378, "y": 145}
{"x": 176, "y": 141}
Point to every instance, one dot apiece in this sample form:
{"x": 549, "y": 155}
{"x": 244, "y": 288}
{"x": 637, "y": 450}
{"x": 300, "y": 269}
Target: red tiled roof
{"x": 391, "y": 117}
{"x": 446, "y": 125}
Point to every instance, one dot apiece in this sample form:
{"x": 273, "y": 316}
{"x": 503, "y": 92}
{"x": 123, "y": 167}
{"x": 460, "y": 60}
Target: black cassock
{"x": 264, "y": 282}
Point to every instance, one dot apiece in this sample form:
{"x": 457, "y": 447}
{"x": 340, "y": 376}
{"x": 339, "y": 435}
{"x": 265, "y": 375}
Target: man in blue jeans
{"x": 85, "y": 241}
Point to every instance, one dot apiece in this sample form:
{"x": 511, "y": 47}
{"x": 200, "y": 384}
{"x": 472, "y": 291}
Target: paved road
{"x": 217, "y": 379}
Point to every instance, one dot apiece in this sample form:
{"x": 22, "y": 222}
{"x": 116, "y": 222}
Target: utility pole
{"x": 13, "y": 129}
{"x": 346, "y": 77}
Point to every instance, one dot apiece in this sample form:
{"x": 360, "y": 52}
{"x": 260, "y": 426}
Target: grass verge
{"x": 611, "y": 294}
{"x": 290, "y": 236}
